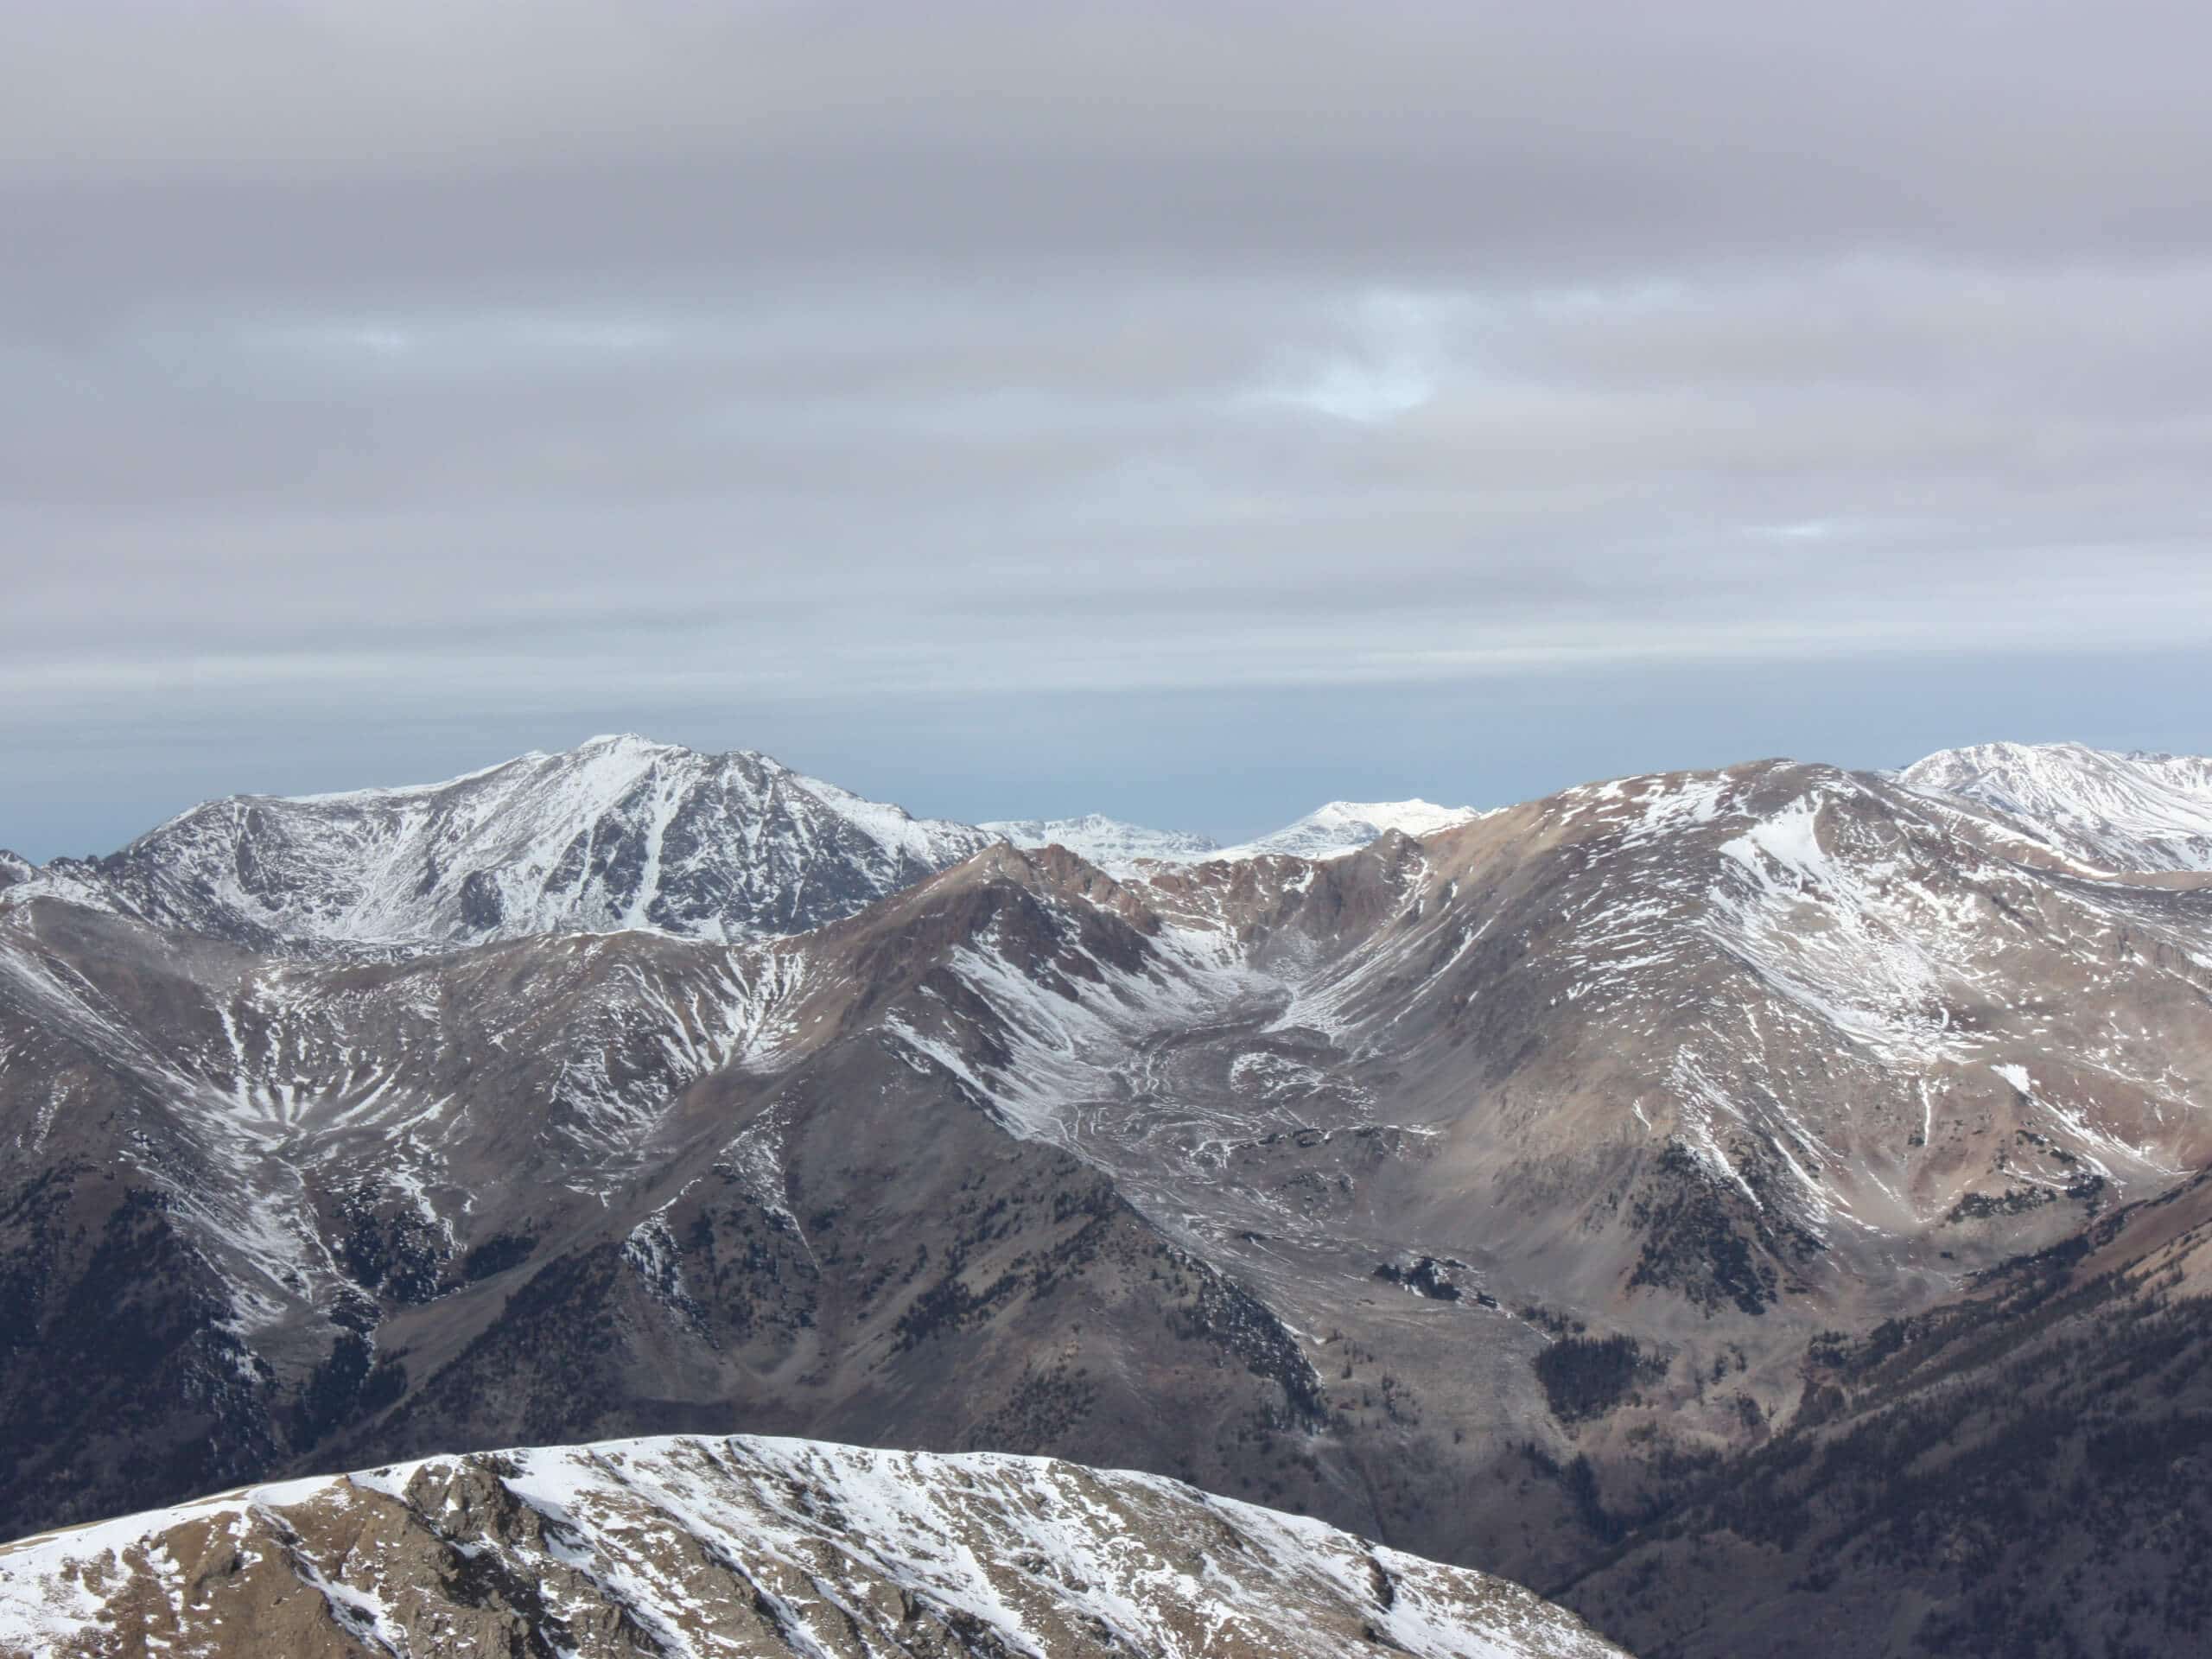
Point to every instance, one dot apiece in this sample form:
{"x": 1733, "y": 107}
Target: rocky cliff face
{"x": 750, "y": 1547}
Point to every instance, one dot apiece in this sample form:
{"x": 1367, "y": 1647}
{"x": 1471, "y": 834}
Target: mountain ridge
{"x": 1337, "y": 1183}
{"x": 782, "y": 1546}
{"x": 619, "y": 832}
{"x": 1109, "y": 843}
{"x": 2135, "y": 809}
{"x": 446, "y": 869}
{"x": 1331, "y": 831}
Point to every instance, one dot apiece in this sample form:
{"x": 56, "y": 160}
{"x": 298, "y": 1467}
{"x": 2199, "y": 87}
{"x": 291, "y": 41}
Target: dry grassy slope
{"x": 1718, "y": 1037}
{"x": 1814, "y": 984}
{"x": 1714, "y": 1060}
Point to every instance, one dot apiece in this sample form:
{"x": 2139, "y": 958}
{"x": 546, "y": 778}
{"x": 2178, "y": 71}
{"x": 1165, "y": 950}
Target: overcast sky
{"x": 1191, "y": 411}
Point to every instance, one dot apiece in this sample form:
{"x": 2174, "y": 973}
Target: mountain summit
{"x": 1340, "y": 827}
{"x": 619, "y": 832}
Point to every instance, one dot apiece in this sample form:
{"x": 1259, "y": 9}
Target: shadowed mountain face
{"x": 755, "y": 1547}
{"x": 2019, "y": 1470}
{"x": 1474, "y": 1192}
{"x": 550, "y": 1189}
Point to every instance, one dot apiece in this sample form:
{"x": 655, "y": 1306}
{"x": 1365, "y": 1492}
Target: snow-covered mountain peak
{"x": 1341, "y": 827}
{"x": 2126, "y": 810}
{"x": 1336, "y": 827}
{"x": 631, "y": 740}
{"x": 597, "y": 764}
{"x": 1110, "y": 843}
{"x": 620, "y": 832}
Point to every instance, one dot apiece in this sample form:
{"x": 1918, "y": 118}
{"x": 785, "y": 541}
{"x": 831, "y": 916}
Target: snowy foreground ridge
{"x": 685, "y": 1545}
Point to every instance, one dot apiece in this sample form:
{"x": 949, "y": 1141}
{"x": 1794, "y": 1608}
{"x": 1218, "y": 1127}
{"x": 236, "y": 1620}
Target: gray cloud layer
{"x": 478, "y": 371}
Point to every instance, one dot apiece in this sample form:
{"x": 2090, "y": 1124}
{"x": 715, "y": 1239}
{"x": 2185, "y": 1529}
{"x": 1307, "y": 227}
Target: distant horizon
{"x": 305, "y": 767}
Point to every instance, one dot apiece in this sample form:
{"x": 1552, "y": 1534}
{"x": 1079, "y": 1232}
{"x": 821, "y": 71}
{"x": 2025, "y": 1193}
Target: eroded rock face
{"x": 750, "y": 1547}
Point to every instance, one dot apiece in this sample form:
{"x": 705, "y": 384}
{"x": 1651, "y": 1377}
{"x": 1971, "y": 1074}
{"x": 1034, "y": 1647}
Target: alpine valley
{"x": 1730, "y": 1203}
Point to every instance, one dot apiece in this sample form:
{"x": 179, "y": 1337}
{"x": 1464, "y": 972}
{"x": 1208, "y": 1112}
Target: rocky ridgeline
{"x": 754, "y": 1546}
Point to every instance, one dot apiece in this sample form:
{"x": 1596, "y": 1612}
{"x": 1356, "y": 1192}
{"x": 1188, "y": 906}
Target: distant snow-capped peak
{"x": 1343, "y": 827}
{"x": 1107, "y": 842}
{"x": 2132, "y": 811}
{"x": 1327, "y": 831}
{"x": 617, "y": 833}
